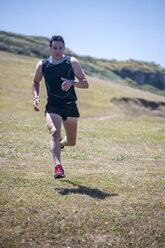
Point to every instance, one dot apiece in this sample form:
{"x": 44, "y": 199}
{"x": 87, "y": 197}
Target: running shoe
{"x": 59, "y": 172}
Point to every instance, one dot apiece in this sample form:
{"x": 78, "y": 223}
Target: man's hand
{"x": 66, "y": 84}
{"x": 36, "y": 102}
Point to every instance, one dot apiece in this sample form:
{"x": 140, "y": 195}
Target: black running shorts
{"x": 67, "y": 110}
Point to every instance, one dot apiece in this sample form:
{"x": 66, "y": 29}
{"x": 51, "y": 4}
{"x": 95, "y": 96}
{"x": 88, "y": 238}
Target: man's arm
{"x": 36, "y": 85}
{"x": 80, "y": 75}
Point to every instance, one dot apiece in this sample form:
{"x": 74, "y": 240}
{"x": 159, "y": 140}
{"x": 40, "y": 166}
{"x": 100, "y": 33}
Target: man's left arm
{"x": 80, "y": 75}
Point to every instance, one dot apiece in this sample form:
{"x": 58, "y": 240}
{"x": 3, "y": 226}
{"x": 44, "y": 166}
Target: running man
{"x": 59, "y": 72}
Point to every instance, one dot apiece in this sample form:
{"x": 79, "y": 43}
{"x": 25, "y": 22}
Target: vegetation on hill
{"x": 21, "y": 44}
{"x": 135, "y": 73}
{"x": 139, "y": 74}
{"x": 26, "y": 45}
{"x": 131, "y": 64}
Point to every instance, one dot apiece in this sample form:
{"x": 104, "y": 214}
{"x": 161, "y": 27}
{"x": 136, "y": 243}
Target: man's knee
{"x": 54, "y": 133}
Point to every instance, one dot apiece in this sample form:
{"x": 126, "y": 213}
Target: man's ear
{"x": 50, "y": 49}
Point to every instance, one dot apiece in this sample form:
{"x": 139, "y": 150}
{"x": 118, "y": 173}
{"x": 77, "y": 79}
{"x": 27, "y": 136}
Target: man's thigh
{"x": 70, "y": 125}
{"x": 54, "y": 122}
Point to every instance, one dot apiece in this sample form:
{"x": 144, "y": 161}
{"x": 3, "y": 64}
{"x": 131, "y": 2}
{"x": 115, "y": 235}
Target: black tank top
{"x": 52, "y": 73}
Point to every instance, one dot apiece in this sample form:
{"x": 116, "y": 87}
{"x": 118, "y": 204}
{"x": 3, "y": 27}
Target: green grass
{"x": 110, "y": 70}
{"x": 113, "y": 192}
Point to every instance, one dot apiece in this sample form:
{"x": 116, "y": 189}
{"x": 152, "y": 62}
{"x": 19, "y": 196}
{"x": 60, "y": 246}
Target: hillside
{"x": 34, "y": 46}
{"x": 113, "y": 192}
{"x": 99, "y": 94}
{"x": 147, "y": 76}
{"x": 138, "y": 71}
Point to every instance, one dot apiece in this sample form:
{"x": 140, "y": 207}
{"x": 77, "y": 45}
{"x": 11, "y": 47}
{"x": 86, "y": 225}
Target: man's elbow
{"x": 35, "y": 83}
{"x": 86, "y": 84}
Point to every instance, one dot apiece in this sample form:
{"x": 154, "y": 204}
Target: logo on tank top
{"x": 67, "y": 59}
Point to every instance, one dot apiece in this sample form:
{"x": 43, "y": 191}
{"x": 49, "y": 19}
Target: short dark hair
{"x": 56, "y": 38}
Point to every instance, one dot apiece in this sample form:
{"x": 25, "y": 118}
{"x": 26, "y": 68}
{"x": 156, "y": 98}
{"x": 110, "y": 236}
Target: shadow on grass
{"x": 95, "y": 193}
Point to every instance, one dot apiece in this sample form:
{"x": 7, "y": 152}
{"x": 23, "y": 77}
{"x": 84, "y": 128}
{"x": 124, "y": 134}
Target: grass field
{"x": 113, "y": 193}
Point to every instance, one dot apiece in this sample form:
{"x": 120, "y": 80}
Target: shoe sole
{"x": 59, "y": 175}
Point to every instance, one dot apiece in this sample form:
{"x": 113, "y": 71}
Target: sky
{"x": 109, "y": 29}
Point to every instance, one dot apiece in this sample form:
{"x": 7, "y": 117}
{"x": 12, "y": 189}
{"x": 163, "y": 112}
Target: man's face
{"x": 57, "y": 50}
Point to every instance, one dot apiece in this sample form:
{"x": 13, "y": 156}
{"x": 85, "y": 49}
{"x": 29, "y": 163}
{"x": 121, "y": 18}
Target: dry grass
{"x": 113, "y": 192}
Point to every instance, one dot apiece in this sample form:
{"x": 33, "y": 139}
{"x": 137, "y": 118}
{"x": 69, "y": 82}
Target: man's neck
{"x": 57, "y": 60}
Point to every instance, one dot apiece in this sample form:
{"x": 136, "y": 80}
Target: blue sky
{"x": 112, "y": 29}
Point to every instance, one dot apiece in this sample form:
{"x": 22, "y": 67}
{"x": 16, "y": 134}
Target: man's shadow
{"x": 93, "y": 192}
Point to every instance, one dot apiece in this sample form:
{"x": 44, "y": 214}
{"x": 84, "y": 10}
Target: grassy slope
{"x": 104, "y": 69}
{"x": 113, "y": 192}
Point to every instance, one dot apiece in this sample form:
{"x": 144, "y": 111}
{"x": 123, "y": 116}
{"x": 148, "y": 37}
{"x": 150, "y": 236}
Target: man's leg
{"x": 54, "y": 122}
{"x": 70, "y": 125}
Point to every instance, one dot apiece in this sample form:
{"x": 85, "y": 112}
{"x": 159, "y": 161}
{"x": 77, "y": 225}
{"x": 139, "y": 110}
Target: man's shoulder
{"x": 39, "y": 65}
{"x": 45, "y": 61}
{"x": 74, "y": 60}
{"x": 39, "y": 62}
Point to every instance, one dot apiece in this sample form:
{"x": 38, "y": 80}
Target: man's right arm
{"x": 36, "y": 85}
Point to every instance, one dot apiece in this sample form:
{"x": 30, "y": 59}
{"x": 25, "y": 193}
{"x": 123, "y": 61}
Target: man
{"x": 59, "y": 72}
